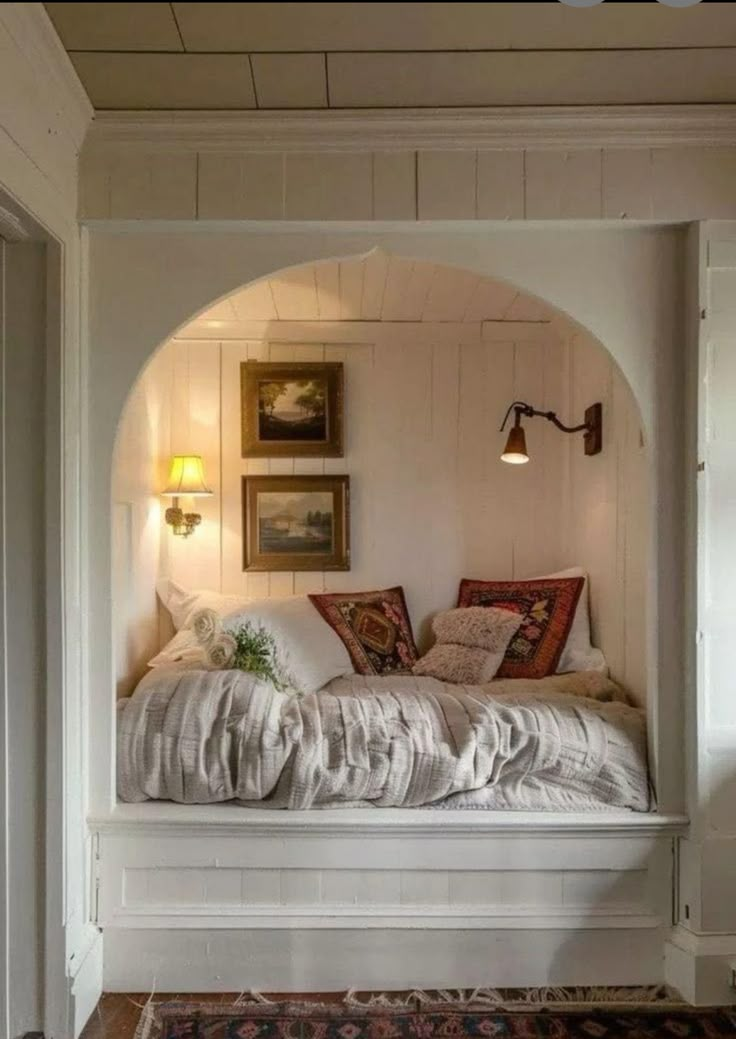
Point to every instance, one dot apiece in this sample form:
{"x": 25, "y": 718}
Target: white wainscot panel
{"x": 335, "y": 901}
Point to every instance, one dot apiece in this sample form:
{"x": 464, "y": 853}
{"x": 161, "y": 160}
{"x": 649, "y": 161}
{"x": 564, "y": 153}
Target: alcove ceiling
{"x": 215, "y": 56}
{"x": 376, "y": 287}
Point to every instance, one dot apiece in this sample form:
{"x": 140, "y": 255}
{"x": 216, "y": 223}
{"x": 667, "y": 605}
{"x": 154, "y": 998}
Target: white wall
{"x": 606, "y": 519}
{"x": 43, "y": 118}
{"x": 431, "y": 502}
{"x": 137, "y": 518}
{"x": 23, "y": 346}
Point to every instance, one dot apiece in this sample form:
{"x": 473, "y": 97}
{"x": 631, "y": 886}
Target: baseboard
{"x": 701, "y": 967}
{"x": 312, "y": 960}
{"x": 86, "y": 985}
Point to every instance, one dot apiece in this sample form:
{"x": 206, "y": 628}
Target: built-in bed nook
{"x": 391, "y": 690}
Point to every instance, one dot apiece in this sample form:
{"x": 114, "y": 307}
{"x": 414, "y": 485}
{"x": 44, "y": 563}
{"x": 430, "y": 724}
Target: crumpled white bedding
{"x": 562, "y": 743}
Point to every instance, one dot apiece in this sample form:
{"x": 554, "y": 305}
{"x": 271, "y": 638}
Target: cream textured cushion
{"x": 471, "y": 643}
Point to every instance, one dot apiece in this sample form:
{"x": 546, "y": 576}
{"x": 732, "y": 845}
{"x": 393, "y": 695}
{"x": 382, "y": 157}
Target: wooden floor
{"x": 117, "y": 1013}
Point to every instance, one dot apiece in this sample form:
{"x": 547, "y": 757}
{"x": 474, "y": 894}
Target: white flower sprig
{"x": 245, "y": 648}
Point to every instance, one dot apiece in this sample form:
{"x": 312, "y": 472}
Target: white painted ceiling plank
{"x": 396, "y": 300}
{"x": 532, "y": 78}
{"x": 290, "y": 80}
{"x": 490, "y": 301}
{"x": 374, "y": 282}
{"x": 295, "y": 294}
{"x": 165, "y": 81}
{"x": 327, "y": 278}
{"x": 116, "y": 27}
{"x": 450, "y": 292}
{"x": 255, "y": 302}
{"x": 351, "y": 288}
{"x": 452, "y": 26}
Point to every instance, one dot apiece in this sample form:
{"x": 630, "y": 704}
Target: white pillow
{"x": 579, "y": 654}
{"x": 182, "y": 604}
{"x": 309, "y": 651}
{"x": 182, "y": 651}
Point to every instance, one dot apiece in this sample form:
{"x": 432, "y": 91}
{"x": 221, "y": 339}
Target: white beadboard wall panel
{"x": 627, "y": 183}
{"x": 607, "y": 510}
{"x": 328, "y": 187}
{"x": 563, "y": 184}
{"x": 663, "y": 183}
{"x": 425, "y": 393}
{"x": 240, "y": 187}
{"x": 446, "y": 185}
{"x": 500, "y": 185}
{"x": 154, "y": 186}
{"x": 394, "y": 185}
{"x": 698, "y": 183}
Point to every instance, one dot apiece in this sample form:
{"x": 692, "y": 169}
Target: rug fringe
{"x": 527, "y": 997}
{"x": 422, "y": 1000}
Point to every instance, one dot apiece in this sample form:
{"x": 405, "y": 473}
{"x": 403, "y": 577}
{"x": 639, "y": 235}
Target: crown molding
{"x": 410, "y": 129}
{"x": 33, "y": 31}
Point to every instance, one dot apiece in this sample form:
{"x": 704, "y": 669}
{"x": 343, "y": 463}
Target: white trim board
{"x": 438, "y": 129}
{"x": 159, "y": 818}
{"x": 328, "y": 960}
{"x": 371, "y": 332}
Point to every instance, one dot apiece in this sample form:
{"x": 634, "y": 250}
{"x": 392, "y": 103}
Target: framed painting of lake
{"x": 292, "y": 410}
{"x": 296, "y": 523}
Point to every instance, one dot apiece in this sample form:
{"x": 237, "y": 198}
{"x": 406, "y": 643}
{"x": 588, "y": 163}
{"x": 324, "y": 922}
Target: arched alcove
{"x": 618, "y": 286}
{"x": 433, "y": 354}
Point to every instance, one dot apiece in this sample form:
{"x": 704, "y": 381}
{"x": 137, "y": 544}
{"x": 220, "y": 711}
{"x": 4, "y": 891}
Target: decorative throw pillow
{"x": 579, "y": 654}
{"x": 547, "y": 608}
{"x": 182, "y": 651}
{"x": 470, "y": 644}
{"x": 307, "y": 651}
{"x": 375, "y": 628}
{"x": 182, "y": 603}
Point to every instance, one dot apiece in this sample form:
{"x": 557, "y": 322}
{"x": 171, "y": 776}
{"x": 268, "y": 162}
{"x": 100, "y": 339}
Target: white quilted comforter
{"x": 561, "y": 743}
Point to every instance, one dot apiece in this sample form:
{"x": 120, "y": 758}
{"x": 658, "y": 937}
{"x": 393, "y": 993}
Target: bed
{"x": 567, "y": 742}
{"x": 511, "y": 835}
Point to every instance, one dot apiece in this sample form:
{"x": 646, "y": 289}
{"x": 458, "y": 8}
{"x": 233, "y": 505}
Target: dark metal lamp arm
{"x": 522, "y": 408}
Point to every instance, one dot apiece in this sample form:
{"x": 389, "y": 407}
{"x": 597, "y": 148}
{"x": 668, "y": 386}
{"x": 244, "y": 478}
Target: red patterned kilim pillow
{"x": 548, "y": 607}
{"x": 375, "y": 628}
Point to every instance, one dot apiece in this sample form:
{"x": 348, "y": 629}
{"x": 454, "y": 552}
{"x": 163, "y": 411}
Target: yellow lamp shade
{"x": 515, "y": 452}
{"x": 186, "y": 477}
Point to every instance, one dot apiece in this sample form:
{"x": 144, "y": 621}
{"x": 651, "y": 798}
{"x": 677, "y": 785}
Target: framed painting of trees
{"x": 292, "y": 410}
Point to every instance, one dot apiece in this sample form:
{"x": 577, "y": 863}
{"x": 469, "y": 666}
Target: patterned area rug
{"x": 449, "y": 1021}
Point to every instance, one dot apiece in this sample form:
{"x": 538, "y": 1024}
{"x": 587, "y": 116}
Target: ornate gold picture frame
{"x": 296, "y": 523}
{"x": 292, "y": 410}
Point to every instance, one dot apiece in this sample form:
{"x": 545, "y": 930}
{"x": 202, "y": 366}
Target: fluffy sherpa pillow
{"x": 471, "y": 643}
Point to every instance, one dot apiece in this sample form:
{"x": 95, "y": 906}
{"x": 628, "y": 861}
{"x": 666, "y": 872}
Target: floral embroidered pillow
{"x": 547, "y": 607}
{"x": 374, "y": 627}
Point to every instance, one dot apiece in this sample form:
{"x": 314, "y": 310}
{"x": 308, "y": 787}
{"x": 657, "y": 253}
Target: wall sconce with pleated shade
{"x": 515, "y": 452}
{"x": 186, "y": 477}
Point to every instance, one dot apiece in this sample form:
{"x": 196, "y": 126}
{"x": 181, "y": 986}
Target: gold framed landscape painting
{"x": 296, "y": 523}
{"x": 292, "y": 410}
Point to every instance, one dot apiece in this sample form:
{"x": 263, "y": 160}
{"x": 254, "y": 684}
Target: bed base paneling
{"x": 196, "y": 960}
{"x": 380, "y": 898}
